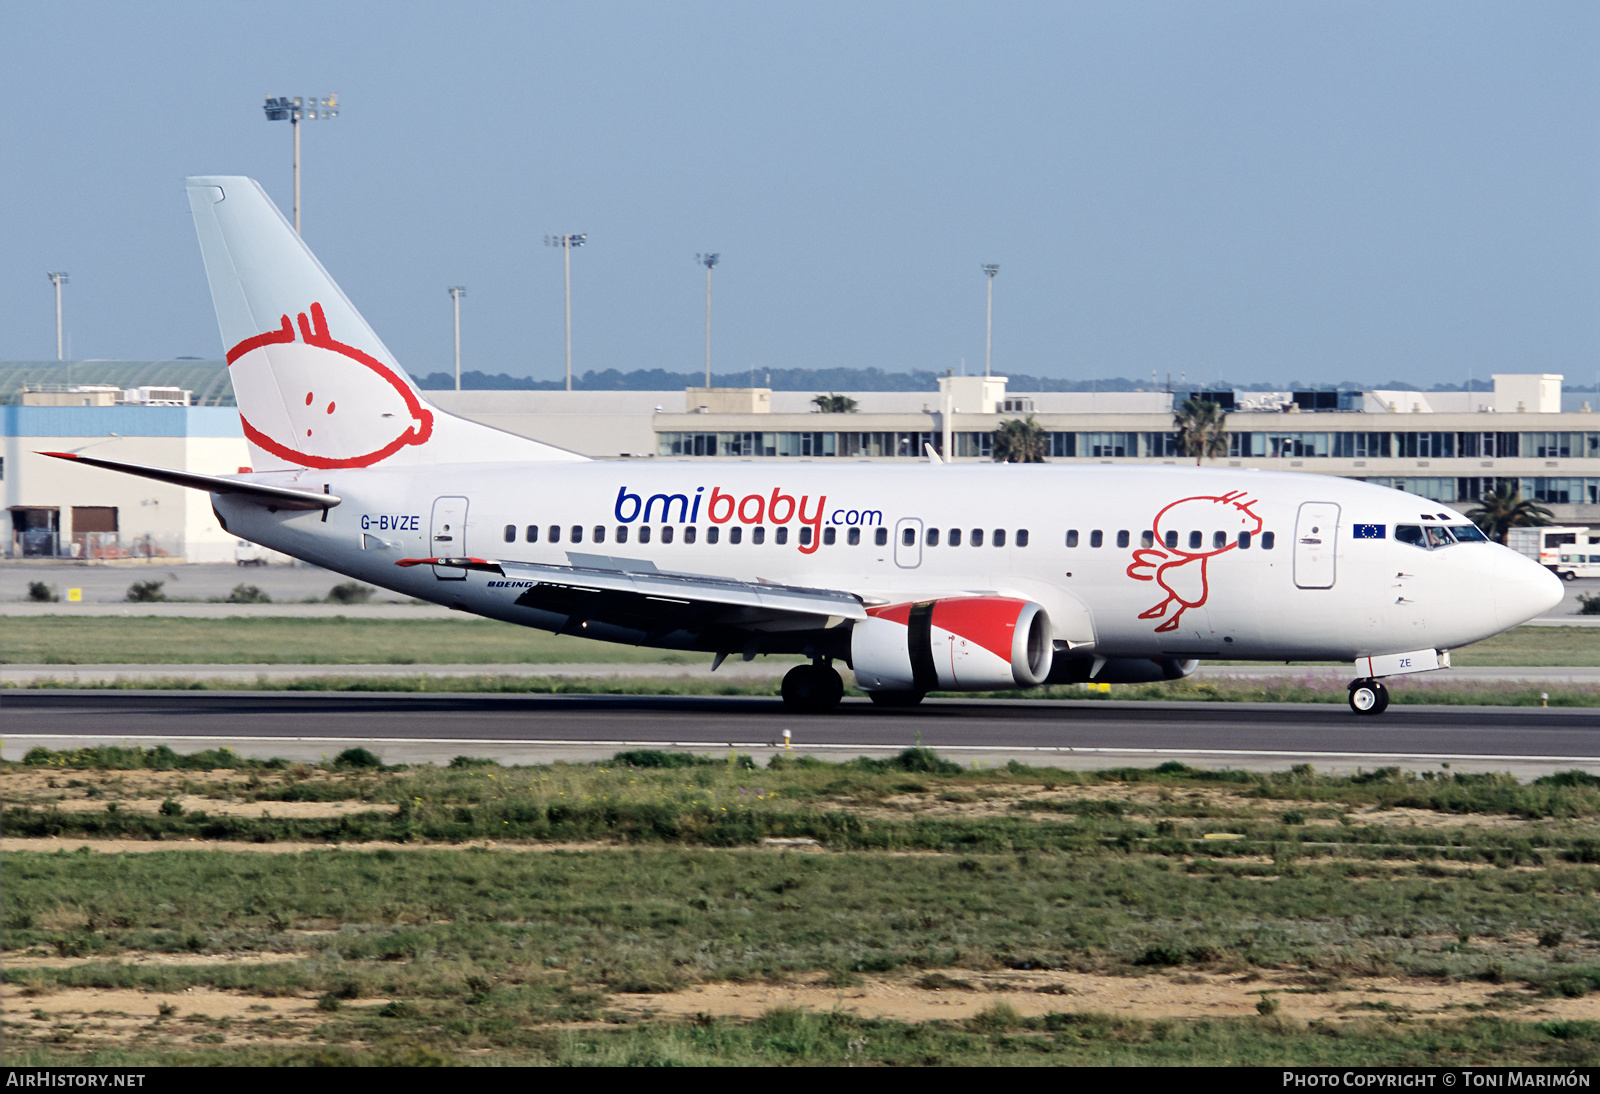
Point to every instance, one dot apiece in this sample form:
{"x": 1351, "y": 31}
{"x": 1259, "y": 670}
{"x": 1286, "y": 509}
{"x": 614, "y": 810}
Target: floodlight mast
{"x": 58, "y": 278}
{"x": 990, "y": 269}
{"x": 282, "y": 108}
{"x": 709, "y": 261}
{"x": 456, "y": 293}
{"x": 566, "y": 243}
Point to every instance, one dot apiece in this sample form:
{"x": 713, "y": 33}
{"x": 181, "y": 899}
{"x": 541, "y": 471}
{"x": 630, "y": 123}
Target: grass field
{"x": 56, "y": 640}
{"x": 635, "y": 911}
{"x": 146, "y": 640}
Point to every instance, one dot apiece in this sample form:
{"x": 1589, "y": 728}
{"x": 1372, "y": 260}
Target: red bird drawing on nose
{"x": 1182, "y": 573}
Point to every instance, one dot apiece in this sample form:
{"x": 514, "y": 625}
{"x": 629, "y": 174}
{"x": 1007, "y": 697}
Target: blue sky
{"x": 1257, "y": 192}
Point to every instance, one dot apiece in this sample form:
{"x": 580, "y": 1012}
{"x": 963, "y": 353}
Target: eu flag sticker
{"x": 1369, "y": 531}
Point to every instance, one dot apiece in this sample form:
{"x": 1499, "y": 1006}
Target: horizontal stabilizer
{"x": 277, "y": 497}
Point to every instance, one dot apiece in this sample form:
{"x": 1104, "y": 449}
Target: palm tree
{"x": 1202, "y": 429}
{"x": 834, "y": 404}
{"x": 1019, "y": 441}
{"x": 1504, "y": 508}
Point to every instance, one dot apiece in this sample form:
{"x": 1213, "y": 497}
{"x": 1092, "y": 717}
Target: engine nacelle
{"x": 970, "y": 643}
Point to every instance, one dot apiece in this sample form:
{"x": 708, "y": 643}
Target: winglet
{"x": 933, "y": 457}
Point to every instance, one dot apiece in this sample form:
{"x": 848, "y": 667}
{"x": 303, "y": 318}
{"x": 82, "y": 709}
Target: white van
{"x": 246, "y": 553}
{"x": 1574, "y": 564}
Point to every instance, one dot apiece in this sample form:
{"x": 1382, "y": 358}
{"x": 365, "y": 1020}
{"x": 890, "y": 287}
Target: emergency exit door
{"x": 908, "y": 543}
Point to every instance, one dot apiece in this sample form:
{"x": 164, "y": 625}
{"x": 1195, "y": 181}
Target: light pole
{"x": 294, "y": 111}
{"x": 58, "y": 278}
{"x": 990, "y": 269}
{"x": 709, "y": 261}
{"x": 566, "y": 243}
{"x": 456, "y": 293}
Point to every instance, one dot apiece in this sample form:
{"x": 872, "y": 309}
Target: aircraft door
{"x": 447, "y": 536}
{"x": 908, "y": 543}
{"x": 1316, "y": 538}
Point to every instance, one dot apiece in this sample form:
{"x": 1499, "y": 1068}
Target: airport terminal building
{"x": 1450, "y": 447}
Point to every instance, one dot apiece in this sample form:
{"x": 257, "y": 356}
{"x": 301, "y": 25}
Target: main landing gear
{"x": 812, "y": 689}
{"x": 1368, "y": 697}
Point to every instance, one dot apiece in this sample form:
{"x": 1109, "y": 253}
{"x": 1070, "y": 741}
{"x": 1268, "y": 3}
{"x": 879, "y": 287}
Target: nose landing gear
{"x": 1368, "y": 697}
{"x": 812, "y": 689}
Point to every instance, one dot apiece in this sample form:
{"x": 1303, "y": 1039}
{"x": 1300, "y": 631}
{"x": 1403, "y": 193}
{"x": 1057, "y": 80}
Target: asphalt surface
{"x": 539, "y": 728}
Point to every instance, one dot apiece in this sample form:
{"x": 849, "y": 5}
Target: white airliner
{"x": 920, "y": 577}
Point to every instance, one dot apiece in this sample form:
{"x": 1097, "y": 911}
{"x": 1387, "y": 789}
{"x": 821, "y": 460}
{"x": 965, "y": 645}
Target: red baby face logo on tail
{"x": 1180, "y": 570}
{"x": 320, "y": 403}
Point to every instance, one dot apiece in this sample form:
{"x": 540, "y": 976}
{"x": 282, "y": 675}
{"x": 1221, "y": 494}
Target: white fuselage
{"x": 1300, "y": 585}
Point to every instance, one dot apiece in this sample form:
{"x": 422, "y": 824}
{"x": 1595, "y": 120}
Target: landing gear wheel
{"x": 1368, "y": 697}
{"x": 812, "y": 689}
{"x": 895, "y": 698}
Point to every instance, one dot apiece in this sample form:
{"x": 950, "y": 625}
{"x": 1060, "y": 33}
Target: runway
{"x": 540, "y": 728}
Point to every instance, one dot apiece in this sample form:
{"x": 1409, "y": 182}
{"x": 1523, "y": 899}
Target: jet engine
{"x": 971, "y": 643}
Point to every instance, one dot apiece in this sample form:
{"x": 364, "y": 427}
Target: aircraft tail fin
{"x": 315, "y": 385}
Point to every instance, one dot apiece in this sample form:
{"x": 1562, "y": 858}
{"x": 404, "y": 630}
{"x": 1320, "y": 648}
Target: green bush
{"x": 351, "y": 592}
{"x": 39, "y": 591}
{"x": 356, "y": 757}
{"x": 248, "y": 594}
{"x": 145, "y": 592}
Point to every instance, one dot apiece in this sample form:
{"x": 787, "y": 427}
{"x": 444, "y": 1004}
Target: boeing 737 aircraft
{"x": 920, "y": 577}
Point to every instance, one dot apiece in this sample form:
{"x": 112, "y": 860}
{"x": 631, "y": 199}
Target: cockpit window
{"x": 1410, "y": 533}
{"x": 1438, "y": 536}
{"x": 1468, "y": 533}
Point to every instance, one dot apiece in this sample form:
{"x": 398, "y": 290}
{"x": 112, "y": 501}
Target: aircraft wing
{"x": 646, "y": 604}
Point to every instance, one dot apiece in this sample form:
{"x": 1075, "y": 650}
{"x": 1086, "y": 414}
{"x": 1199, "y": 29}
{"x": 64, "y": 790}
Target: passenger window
{"x": 666, "y": 533}
{"x": 1267, "y": 540}
{"x": 828, "y": 536}
{"x": 805, "y": 536}
{"x": 1195, "y": 540}
{"x": 955, "y": 537}
{"x": 1219, "y": 540}
{"x": 932, "y": 538}
{"x": 1171, "y": 540}
{"x": 758, "y": 534}
{"x": 881, "y": 537}
{"x": 713, "y": 534}
{"x": 975, "y": 537}
{"x": 1022, "y": 537}
{"x": 853, "y": 537}
{"x": 511, "y": 533}
{"x": 1072, "y": 538}
{"x": 1122, "y": 538}
{"x": 531, "y": 533}
{"x": 908, "y": 538}
{"x": 1244, "y": 541}
{"x": 577, "y": 534}
{"x": 644, "y": 533}
{"x": 622, "y": 533}
{"x": 689, "y": 533}
{"x": 555, "y": 534}
{"x": 1147, "y": 539}
{"x": 735, "y": 534}
{"x": 780, "y": 534}
{"x": 999, "y": 538}
{"x": 1096, "y": 538}
{"x": 1410, "y": 533}
{"x": 599, "y": 533}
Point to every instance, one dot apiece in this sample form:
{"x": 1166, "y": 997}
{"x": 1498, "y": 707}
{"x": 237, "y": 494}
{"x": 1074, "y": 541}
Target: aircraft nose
{"x": 1522, "y": 589}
